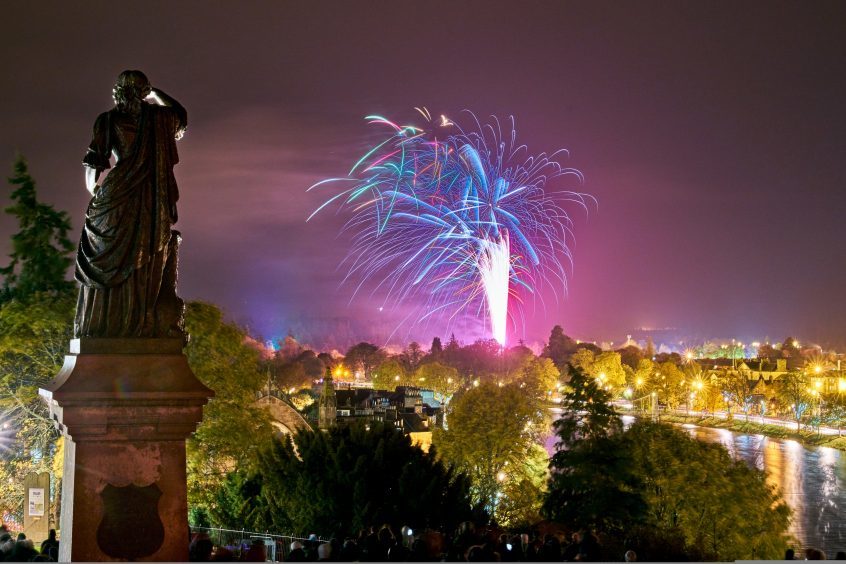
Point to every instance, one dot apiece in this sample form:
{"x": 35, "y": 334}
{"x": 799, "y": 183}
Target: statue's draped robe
{"x": 126, "y": 260}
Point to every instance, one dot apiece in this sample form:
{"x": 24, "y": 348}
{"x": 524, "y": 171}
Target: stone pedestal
{"x": 125, "y": 408}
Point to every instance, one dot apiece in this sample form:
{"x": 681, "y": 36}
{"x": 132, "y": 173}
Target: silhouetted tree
{"x": 437, "y": 349}
{"x": 559, "y": 348}
{"x": 342, "y": 481}
{"x": 41, "y": 248}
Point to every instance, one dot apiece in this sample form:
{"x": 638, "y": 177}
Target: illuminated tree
{"x": 490, "y": 438}
{"x": 605, "y": 366}
{"x": 794, "y": 394}
{"x": 669, "y": 382}
{"x": 835, "y": 413}
{"x": 656, "y": 488}
{"x": 232, "y": 426}
{"x": 442, "y": 380}
{"x": 390, "y": 374}
{"x": 522, "y": 491}
{"x": 540, "y": 378}
{"x": 590, "y": 482}
{"x": 364, "y": 358}
{"x": 685, "y": 483}
{"x": 36, "y": 319}
{"x": 34, "y": 336}
{"x": 738, "y": 389}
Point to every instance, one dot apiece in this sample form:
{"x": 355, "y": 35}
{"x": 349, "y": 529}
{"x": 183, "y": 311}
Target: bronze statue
{"x": 126, "y": 262}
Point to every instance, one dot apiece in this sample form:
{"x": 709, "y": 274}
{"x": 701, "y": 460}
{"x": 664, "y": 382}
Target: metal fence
{"x": 238, "y": 541}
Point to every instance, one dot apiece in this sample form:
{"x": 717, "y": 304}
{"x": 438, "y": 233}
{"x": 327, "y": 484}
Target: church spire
{"x": 328, "y": 406}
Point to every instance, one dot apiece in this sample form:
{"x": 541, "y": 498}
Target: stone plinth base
{"x": 125, "y": 408}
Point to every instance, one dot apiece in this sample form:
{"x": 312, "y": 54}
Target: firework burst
{"x": 456, "y": 221}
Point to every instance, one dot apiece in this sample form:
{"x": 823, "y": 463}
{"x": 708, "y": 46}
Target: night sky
{"x": 713, "y": 135}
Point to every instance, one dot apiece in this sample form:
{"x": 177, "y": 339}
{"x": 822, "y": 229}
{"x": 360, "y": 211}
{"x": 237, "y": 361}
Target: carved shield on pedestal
{"x": 131, "y": 527}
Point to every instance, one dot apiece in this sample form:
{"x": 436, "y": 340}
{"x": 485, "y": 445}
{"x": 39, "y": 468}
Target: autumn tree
{"x": 668, "y": 381}
{"x": 640, "y": 378}
{"x": 539, "y": 379}
{"x": 489, "y": 438}
{"x": 34, "y": 336}
{"x": 390, "y": 374}
{"x": 36, "y": 318}
{"x": 364, "y": 358}
{"x": 232, "y": 425}
{"x": 605, "y": 366}
{"x": 656, "y": 488}
{"x": 443, "y": 380}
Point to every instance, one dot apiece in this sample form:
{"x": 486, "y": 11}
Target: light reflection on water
{"x": 810, "y": 479}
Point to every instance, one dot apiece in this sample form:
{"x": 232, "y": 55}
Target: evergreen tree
{"x": 591, "y": 484}
{"x": 41, "y": 248}
{"x": 452, "y": 345}
{"x": 586, "y": 413}
{"x": 342, "y": 481}
{"x": 437, "y": 348}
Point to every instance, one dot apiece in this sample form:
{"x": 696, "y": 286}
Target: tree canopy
{"x": 342, "y": 481}
{"x": 490, "y": 437}
{"x": 232, "y": 427}
{"x": 36, "y": 321}
{"x": 658, "y": 487}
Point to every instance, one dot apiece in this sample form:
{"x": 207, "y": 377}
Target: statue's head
{"x": 130, "y": 90}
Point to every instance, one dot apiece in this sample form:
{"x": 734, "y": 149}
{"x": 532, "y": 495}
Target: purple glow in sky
{"x": 712, "y": 135}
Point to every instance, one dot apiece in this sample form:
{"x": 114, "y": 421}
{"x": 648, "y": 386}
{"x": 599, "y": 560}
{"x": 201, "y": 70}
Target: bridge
{"x": 286, "y": 419}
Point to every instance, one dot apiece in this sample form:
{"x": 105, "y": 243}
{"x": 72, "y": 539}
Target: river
{"x": 811, "y": 480}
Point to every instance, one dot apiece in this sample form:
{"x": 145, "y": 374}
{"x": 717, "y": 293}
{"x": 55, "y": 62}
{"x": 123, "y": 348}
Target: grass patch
{"x": 740, "y": 425}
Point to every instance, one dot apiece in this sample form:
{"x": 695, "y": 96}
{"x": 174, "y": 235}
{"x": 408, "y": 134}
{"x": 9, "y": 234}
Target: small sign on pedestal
{"x": 36, "y": 506}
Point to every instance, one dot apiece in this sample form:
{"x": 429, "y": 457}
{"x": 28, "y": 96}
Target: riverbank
{"x": 739, "y": 425}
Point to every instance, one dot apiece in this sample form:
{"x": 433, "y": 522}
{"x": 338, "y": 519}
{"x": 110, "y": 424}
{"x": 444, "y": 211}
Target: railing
{"x": 238, "y": 541}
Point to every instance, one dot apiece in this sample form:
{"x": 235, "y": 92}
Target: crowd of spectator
{"x": 386, "y": 544}
{"x": 22, "y": 549}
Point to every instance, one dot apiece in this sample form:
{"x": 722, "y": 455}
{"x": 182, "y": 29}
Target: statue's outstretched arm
{"x": 163, "y": 99}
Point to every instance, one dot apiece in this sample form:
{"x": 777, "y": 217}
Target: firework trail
{"x": 465, "y": 223}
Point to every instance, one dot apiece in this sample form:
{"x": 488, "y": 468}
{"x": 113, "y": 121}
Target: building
{"x": 404, "y": 409}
